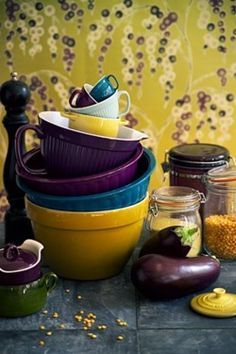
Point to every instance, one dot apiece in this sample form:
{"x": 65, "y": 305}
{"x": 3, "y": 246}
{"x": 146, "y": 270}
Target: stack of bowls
{"x": 86, "y": 195}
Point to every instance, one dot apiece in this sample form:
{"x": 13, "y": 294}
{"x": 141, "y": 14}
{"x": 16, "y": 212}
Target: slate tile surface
{"x": 70, "y": 341}
{"x": 187, "y": 341}
{"x": 177, "y": 314}
{"x": 161, "y": 327}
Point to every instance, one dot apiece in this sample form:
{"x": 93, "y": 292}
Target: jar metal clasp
{"x": 152, "y": 213}
{"x": 202, "y": 197}
{"x": 233, "y": 159}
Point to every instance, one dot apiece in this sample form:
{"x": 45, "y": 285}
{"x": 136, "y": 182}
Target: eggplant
{"x": 158, "y": 277}
{"x": 172, "y": 241}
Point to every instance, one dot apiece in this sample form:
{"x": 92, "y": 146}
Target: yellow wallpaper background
{"x": 175, "y": 57}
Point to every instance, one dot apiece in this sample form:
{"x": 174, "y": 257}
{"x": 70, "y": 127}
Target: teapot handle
{"x": 50, "y": 279}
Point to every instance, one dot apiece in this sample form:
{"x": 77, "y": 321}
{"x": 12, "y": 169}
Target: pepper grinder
{"x": 14, "y": 94}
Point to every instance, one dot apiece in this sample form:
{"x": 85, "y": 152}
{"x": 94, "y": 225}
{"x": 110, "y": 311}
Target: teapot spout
{"x": 34, "y": 247}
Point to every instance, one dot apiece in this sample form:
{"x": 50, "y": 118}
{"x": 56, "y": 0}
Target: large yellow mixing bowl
{"x": 87, "y": 245}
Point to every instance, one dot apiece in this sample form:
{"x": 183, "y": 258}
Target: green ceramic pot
{"x": 22, "y": 300}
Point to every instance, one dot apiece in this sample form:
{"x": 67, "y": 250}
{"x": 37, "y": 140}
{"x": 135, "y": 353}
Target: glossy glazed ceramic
{"x": 94, "y": 125}
{"x": 81, "y": 98}
{"x": 104, "y": 88}
{"x": 122, "y": 197}
{"x": 72, "y": 153}
{"x": 109, "y": 108}
{"x": 23, "y": 267}
{"x": 86, "y": 246}
{"x": 22, "y": 300}
{"x": 97, "y": 183}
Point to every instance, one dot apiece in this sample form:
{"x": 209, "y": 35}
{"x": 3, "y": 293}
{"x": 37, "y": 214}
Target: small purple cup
{"x": 81, "y": 98}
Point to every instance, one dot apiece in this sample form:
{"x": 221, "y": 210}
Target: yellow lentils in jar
{"x": 220, "y": 236}
{"x": 220, "y": 212}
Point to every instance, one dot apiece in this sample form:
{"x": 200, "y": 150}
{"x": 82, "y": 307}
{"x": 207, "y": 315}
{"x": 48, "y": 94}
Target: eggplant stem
{"x": 186, "y": 234}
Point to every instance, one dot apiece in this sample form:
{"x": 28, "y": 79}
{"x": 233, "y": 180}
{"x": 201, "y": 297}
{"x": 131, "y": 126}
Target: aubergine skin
{"x": 165, "y": 242}
{"x": 159, "y": 277}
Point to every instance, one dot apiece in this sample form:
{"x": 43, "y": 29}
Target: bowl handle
{"x": 19, "y": 147}
{"x": 50, "y": 279}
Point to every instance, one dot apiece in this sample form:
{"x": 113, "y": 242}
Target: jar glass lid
{"x": 176, "y": 196}
{"x": 222, "y": 175}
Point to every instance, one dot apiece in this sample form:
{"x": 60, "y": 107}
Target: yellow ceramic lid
{"x": 215, "y": 304}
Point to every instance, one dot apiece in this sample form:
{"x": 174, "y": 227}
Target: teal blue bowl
{"x": 122, "y": 197}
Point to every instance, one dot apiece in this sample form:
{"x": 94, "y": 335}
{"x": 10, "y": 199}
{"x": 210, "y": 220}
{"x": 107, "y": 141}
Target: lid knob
{"x": 14, "y": 75}
{"x": 219, "y": 292}
{"x": 11, "y": 252}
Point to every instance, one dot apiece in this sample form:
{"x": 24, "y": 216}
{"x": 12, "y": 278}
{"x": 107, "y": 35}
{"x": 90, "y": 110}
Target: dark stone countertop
{"x": 161, "y": 327}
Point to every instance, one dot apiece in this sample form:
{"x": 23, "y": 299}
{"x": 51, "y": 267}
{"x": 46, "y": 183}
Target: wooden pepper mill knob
{"x": 14, "y": 94}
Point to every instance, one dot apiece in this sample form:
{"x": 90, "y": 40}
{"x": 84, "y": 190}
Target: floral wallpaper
{"x": 175, "y": 58}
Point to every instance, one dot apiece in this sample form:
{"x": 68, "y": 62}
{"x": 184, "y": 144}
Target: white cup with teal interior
{"x": 108, "y": 108}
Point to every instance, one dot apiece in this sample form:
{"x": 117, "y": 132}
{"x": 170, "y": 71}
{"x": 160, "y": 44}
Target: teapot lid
{"x": 215, "y": 304}
{"x": 13, "y": 258}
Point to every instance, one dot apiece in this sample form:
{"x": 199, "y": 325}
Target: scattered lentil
{"x": 123, "y": 323}
{"x": 102, "y": 327}
{"x": 120, "y": 337}
{"x": 42, "y": 343}
{"x": 49, "y": 333}
{"x": 55, "y": 315}
{"x": 78, "y": 318}
{"x": 45, "y": 312}
{"x": 79, "y": 297}
{"x": 220, "y": 235}
{"x": 67, "y": 290}
{"x": 91, "y": 315}
{"x": 62, "y": 326}
{"x": 42, "y": 327}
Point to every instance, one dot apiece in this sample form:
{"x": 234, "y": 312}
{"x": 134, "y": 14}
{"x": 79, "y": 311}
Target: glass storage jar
{"x": 176, "y": 206}
{"x": 189, "y": 162}
{"x": 220, "y": 213}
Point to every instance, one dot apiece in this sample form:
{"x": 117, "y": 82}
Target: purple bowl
{"x": 72, "y": 153}
{"x": 97, "y": 183}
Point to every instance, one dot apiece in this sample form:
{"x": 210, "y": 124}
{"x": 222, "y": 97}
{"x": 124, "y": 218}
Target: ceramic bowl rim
{"x": 146, "y": 174}
{"x": 90, "y": 213}
{"x": 133, "y": 159}
{"x": 138, "y": 135}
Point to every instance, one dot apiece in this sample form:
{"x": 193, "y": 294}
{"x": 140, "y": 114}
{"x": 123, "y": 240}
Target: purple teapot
{"x": 20, "y": 264}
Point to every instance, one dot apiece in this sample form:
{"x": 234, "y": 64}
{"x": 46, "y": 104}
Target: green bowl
{"x": 23, "y": 300}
